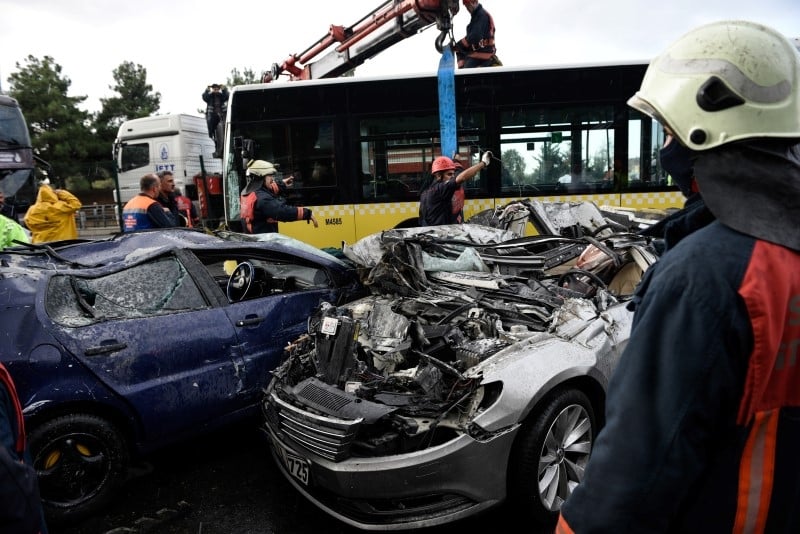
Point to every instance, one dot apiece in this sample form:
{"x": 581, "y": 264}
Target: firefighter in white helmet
{"x": 263, "y": 205}
{"x": 702, "y": 420}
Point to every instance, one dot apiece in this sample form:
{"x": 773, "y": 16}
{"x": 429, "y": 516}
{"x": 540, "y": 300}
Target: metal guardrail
{"x": 97, "y": 216}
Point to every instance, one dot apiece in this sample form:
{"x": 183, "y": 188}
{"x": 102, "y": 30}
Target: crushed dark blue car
{"x": 124, "y": 345}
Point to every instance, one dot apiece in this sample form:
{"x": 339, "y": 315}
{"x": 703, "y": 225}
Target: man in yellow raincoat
{"x": 52, "y": 217}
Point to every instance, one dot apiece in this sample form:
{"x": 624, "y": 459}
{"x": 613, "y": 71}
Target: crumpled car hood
{"x": 462, "y": 317}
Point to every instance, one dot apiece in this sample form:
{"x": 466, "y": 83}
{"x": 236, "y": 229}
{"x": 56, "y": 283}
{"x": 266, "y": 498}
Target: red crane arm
{"x": 399, "y": 19}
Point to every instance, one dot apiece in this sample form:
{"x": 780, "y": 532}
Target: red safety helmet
{"x": 443, "y": 163}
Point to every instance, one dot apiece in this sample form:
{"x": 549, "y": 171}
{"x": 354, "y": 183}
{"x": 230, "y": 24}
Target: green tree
{"x": 600, "y": 164}
{"x": 513, "y": 167}
{"x": 136, "y": 99}
{"x": 59, "y": 129}
{"x": 242, "y": 78}
{"x": 552, "y": 163}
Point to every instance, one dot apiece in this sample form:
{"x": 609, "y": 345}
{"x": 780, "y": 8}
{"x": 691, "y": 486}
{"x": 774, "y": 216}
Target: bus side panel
{"x": 657, "y": 200}
{"x": 373, "y": 218}
{"x": 337, "y": 224}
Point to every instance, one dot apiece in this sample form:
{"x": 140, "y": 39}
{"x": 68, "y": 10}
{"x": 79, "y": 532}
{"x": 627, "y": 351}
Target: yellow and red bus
{"x": 359, "y": 148}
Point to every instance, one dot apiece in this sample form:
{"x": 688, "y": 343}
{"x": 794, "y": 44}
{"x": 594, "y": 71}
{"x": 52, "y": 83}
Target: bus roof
{"x": 432, "y": 74}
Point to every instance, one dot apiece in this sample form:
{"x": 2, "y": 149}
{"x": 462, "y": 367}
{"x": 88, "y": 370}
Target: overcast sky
{"x": 186, "y": 45}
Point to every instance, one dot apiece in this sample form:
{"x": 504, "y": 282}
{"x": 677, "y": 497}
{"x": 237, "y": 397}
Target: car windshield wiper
{"x": 85, "y": 306}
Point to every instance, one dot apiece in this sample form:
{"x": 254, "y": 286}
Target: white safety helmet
{"x": 260, "y": 168}
{"x": 724, "y": 82}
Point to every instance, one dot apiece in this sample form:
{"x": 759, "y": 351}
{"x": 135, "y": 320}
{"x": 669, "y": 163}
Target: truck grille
{"x": 325, "y": 436}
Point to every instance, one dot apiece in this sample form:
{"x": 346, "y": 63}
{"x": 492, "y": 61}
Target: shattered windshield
{"x": 158, "y": 287}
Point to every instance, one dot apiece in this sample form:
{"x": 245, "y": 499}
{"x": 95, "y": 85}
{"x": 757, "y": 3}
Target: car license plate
{"x": 296, "y": 465}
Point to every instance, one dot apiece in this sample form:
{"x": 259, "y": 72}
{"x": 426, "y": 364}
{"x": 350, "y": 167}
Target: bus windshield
{"x": 360, "y": 149}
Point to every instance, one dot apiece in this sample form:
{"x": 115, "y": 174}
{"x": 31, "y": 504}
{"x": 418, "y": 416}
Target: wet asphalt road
{"x": 227, "y": 483}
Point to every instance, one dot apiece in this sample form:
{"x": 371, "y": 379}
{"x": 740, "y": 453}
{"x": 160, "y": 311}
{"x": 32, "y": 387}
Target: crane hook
{"x": 440, "y": 41}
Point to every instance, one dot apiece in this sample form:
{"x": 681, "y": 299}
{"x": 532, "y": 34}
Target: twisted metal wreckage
{"x": 475, "y": 343}
{"x": 444, "y": 299}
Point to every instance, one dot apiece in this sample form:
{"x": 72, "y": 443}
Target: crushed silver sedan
{"x": 474, "y": 374}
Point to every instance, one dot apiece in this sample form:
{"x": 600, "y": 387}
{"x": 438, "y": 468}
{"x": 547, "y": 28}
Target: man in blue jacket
{"x": 703, "y": 412}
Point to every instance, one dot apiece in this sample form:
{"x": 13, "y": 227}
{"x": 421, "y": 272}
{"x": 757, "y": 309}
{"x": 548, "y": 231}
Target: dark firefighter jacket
{"x": 20, "y": 506}
{"x": 170, "y": 204}
{"x": 703, "y": 410}
{"x": 142, "y": 212}
{"x": 436, "y": 203}
{"x": 216, "y": 103}
{"x": 478, "y": 43}
{"x": 269, "y": 208}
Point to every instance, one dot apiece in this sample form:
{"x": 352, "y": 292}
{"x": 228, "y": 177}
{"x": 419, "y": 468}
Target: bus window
{"x": 556, "y": 150}
{"x": 644, "y": 168}
{"x": 301, "y": 149}
{"x": 397, "y": 152}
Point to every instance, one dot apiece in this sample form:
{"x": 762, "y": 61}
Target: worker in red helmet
{"x": 436, "y": 202}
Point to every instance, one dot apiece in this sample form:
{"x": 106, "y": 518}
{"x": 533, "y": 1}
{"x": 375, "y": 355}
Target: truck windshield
{"x": 134, "y": 156}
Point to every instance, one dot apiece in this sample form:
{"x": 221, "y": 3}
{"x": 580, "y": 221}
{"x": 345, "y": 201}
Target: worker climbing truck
{"x": 178, "y": 143}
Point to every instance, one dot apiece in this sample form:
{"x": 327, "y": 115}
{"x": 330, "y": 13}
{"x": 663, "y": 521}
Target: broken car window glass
{"x": 158, "y": 287}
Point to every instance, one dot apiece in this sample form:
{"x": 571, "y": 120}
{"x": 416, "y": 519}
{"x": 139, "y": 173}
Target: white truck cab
{"x": 173, "y": 142}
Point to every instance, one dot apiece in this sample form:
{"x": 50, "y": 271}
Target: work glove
{"x": 307, "y": 214}
{"x": 486, "y": 158}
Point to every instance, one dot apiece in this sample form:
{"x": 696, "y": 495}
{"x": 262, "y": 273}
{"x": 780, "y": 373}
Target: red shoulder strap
{"x": 5, "y": 378}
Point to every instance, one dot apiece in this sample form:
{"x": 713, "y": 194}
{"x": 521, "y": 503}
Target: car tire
{"x": 550, "y": 454}
{"x": 80, "y": 460}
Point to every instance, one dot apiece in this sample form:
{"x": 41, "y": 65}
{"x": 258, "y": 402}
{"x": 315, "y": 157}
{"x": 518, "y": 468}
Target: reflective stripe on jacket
{"x": 703, "y": 410}
{"x": 134, "y": 214}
